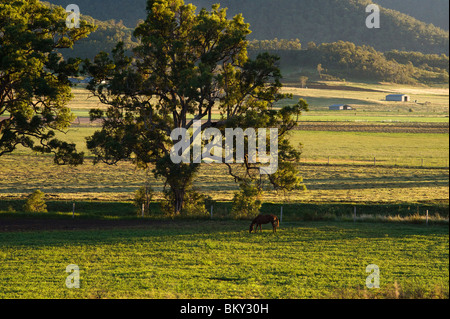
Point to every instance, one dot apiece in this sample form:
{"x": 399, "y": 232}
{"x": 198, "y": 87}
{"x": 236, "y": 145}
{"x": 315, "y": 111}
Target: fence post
{"x": 281, "y": 214}
{"x": 73, "y": 210}
{"x": 143, "y": 209}
{"x": 427, "y": 217}
{"x": 212, "y": 211}
{"x": 354, "y": 214}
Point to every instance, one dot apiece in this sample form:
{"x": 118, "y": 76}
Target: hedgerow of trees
{"x": 347, "y": 60}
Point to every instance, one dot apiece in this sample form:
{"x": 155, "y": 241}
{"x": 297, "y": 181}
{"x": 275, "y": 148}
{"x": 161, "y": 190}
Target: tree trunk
{"x": 178, "y": 200}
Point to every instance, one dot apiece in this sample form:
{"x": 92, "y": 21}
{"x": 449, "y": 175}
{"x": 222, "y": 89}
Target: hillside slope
{"x": 430, "y": 11}
{"x": 308, "y": 20}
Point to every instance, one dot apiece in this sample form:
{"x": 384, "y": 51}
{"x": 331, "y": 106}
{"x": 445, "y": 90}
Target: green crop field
{"x": 222, "y": 260}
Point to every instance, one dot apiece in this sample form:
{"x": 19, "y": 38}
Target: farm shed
{"x": 398, "y": 97}
{"x": 339, "y": 107}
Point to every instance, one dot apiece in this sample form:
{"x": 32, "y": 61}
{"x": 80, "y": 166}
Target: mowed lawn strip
{"x": 204, "y": 259}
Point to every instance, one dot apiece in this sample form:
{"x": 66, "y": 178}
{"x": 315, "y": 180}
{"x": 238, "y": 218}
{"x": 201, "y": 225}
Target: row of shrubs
{"x": 246, "y": 203}
{"x": 245, "y": 206}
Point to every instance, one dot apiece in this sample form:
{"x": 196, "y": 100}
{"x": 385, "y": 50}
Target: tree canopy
{"x": 34, "y": 85}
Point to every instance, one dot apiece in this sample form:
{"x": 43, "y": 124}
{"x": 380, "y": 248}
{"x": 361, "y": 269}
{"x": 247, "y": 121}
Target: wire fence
{"x": 378, "y": 161}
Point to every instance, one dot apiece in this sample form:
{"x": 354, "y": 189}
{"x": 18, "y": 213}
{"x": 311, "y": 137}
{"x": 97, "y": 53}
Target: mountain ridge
{"x": 319, "y": 21}
{"x": 434, "y": 11}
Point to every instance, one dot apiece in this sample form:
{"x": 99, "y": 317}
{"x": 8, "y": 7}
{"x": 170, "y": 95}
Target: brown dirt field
{"x": 430, "y": 128}
{"x": 322, "y": 86}
{"x": 29, "y": 224}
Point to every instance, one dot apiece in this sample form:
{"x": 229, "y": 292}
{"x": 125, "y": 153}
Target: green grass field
{"x": 387, "y": 148}
{"x": 221, "y": 260}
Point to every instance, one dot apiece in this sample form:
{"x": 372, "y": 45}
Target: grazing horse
{"x": 265, "y": 219}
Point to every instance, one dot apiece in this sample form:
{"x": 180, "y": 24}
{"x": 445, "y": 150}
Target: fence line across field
{"x": 378, "y": 161}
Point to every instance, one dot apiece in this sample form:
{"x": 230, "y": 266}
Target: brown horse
{"x": 265, "y": 219}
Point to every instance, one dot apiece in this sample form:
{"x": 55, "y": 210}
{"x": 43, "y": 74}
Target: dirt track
{"x": 29, "y": 224}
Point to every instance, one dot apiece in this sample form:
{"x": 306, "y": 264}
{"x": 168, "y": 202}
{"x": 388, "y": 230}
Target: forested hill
{"x": 308, "y": 20}
{"x": 429, "y": 11}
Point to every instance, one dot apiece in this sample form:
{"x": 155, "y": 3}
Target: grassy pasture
{"x": 370, "y": 105}
{"x": 388, "y": 148}
{"x": 432, "y": 103}
{"x": 20, "y": 175}
{"x": 198, "y": 259}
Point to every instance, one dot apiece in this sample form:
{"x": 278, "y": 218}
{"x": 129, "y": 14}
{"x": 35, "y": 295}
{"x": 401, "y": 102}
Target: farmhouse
{"x": 398, "y": 97}
{"x": 339, "y": 107}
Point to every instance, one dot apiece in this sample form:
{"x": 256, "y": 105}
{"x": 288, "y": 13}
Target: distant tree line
{"x": 105, "y": 38}
{"x": 418, "y": 59}
{"x": 275, "y": 44}
{"x": 347, "y": 60}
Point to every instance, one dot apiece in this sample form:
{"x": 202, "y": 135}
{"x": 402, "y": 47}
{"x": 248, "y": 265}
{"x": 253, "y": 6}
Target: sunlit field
{"x": 222, "y": 260}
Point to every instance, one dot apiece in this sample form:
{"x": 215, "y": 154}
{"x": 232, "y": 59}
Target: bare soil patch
{"x": 323, "y": 86}
{"x": 32, "y": 224}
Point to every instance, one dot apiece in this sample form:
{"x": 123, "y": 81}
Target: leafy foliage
{"x": 143, "y": 197}
{"x": 247, "y": 202}
{"x": 433, "y": 62}
{"x": 194, "y": 204}
{"x": 35, "y": 203}
{"x": 34, "y": 85}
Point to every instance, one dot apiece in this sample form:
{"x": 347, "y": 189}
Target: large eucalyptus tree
{"x": 189, "y": 66}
